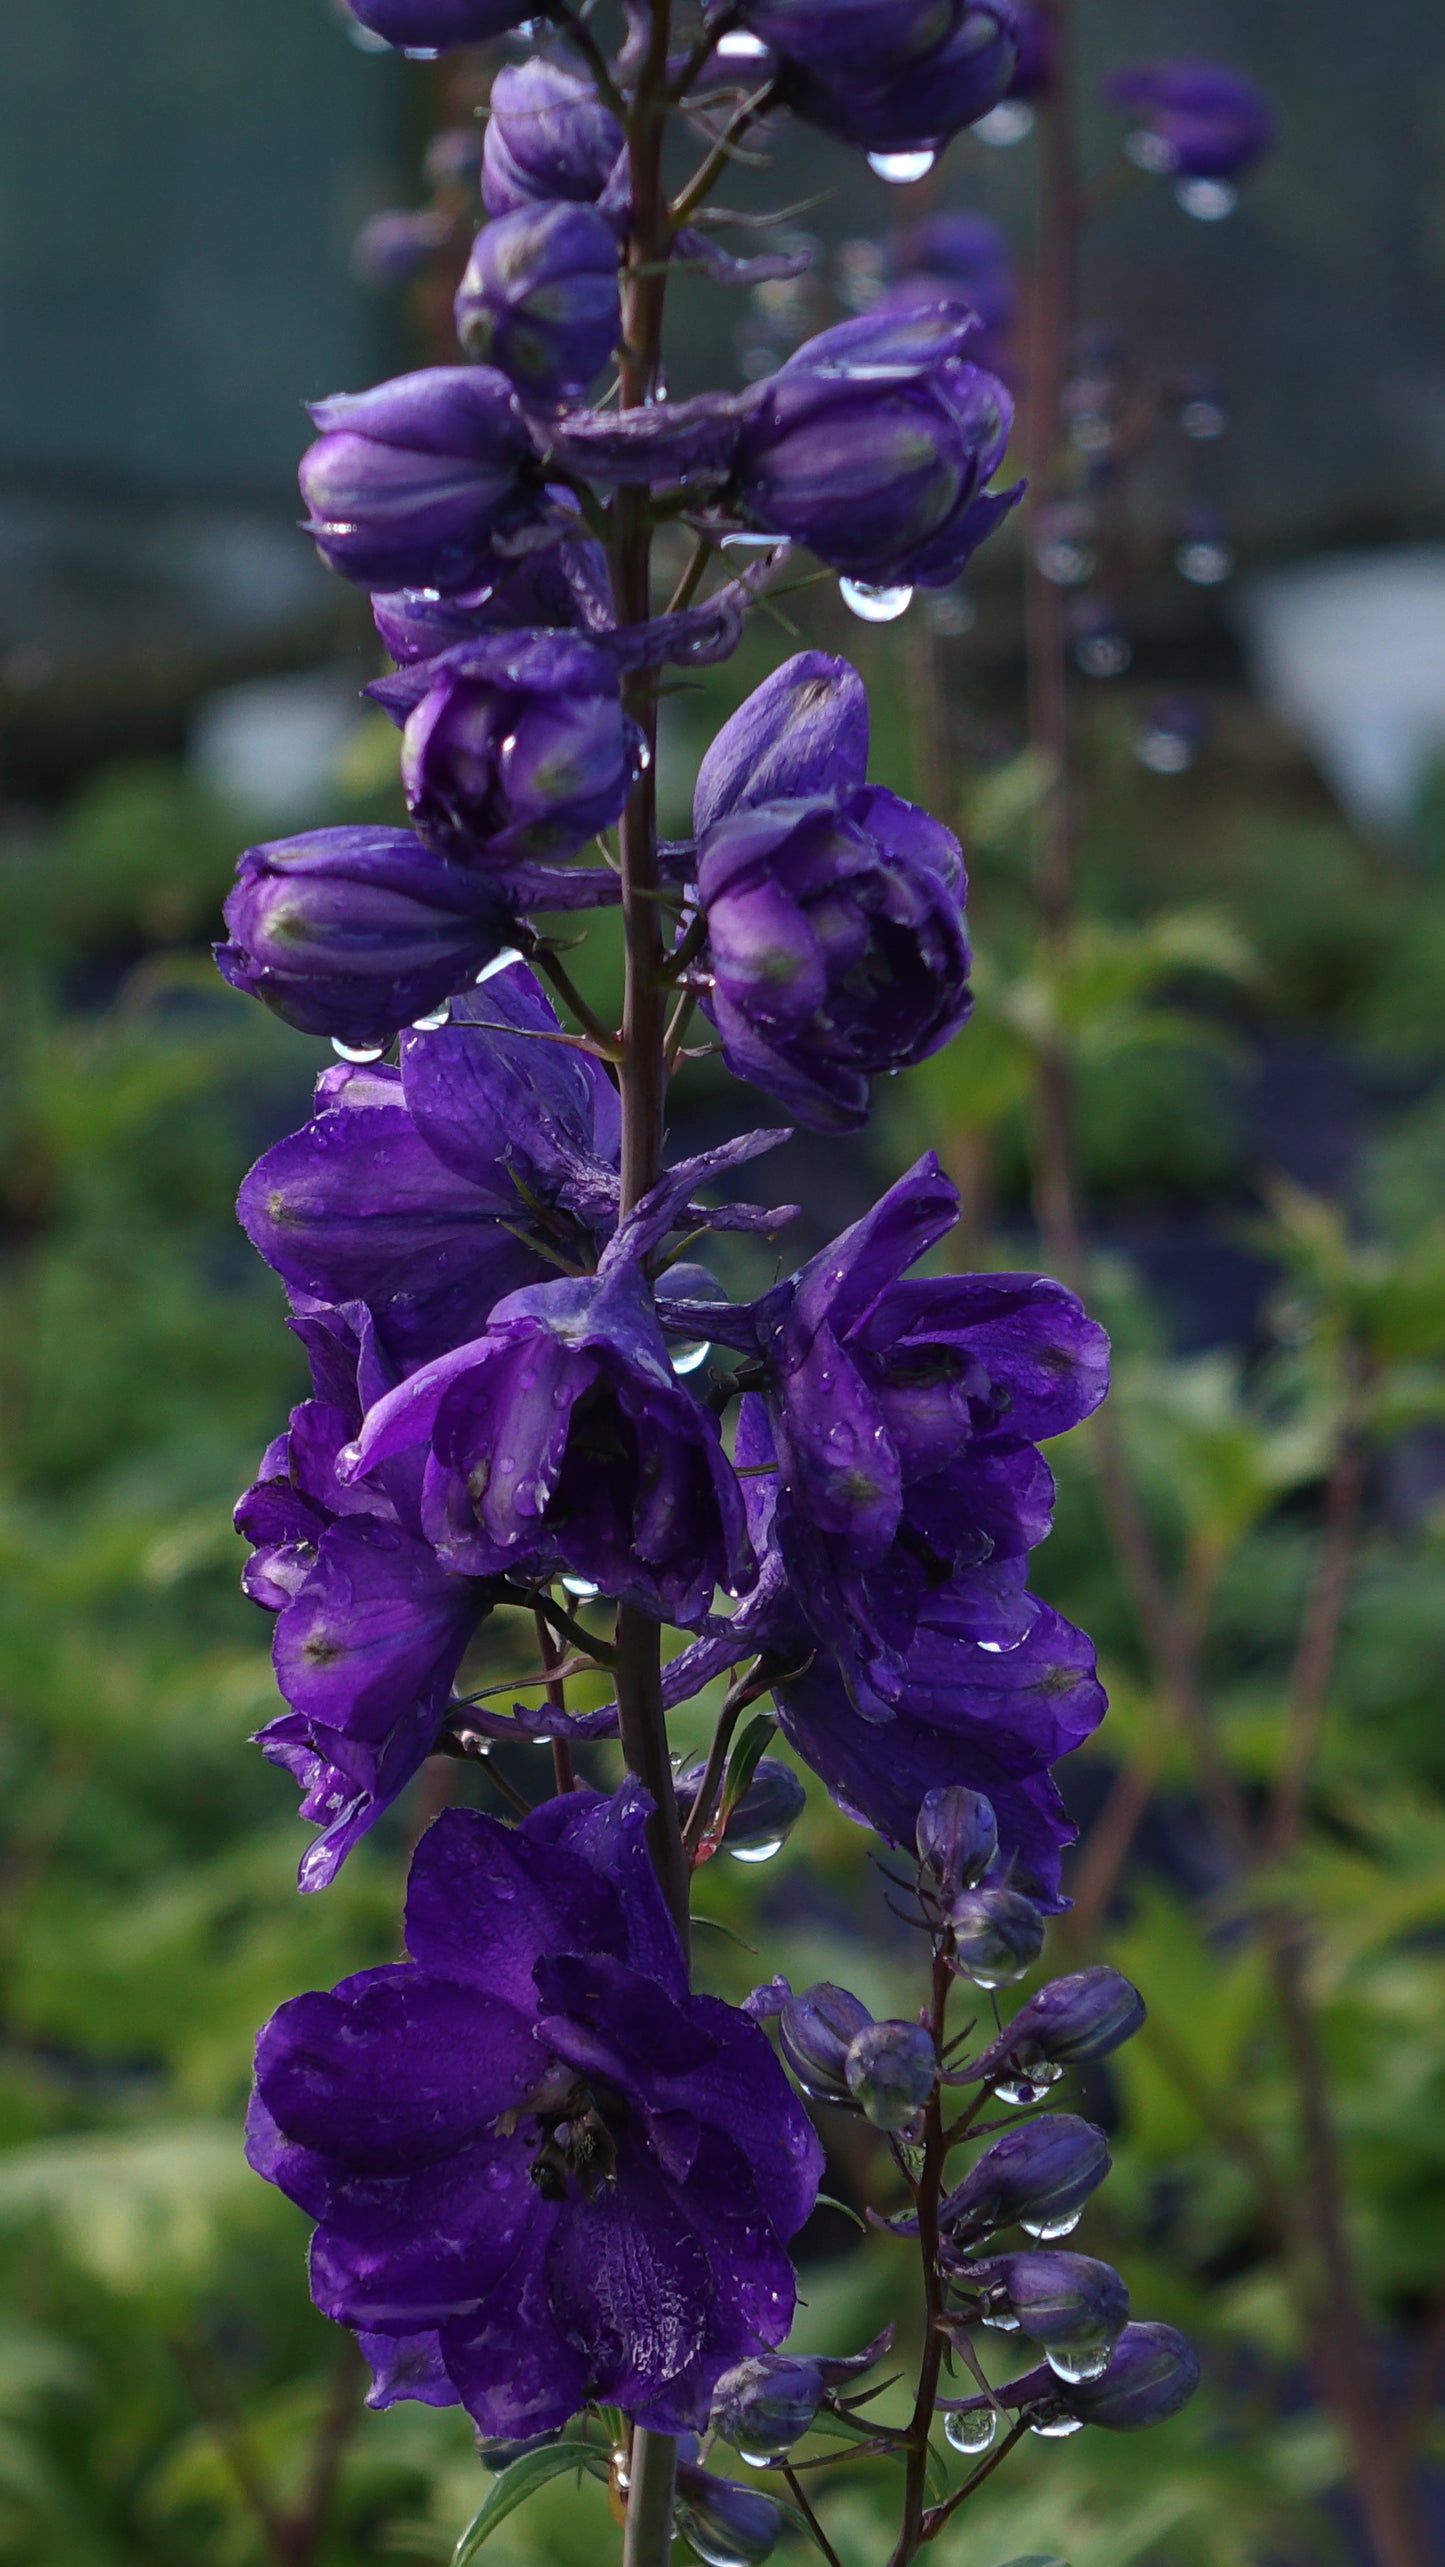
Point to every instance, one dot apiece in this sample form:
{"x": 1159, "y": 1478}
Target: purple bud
{"x": 551, "y": 141}
{"x": 914, "y": 99}
{"x": 874, "y": 38}
{"x": 816, "y": 2029}
{"x": 431, "y": 26}
{"x": 356, "y": 932}
{"x": 768, "y": 1812}
{"x": 957, "y": 1838}
{"x": 408, "y": 483}
{"x": 995, "y": 1935}
{"x": 727, "y": 2525}
{"x": 803, "y": 731}
{"x": 1154, "y": 2372}
{"x": 767, "y": 2403}
{"x": 515, "y": 745}
{"x": 540, "y": 298}
{"x": 1197, "y": 119}
{"x": 890, "y": 2070}
{"x": 1067, "y": 2024}
{"x": 1040, "y": 2175}
{"x": 1071, "y": 2304}
{"x": 393, "y": 248}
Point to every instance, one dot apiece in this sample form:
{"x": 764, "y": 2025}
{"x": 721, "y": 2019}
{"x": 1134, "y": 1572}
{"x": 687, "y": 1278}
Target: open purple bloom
{"x": 531, "y": 2144}
{"x": 540, "y": 298}
{"x": 550, "y": 140}
{"x": 515, "y": 747}
{"x": 836, "y": 945}
{"x": 561, "y": 1438}
{"x": 1197, "y": 119}
{"x": 408, "y": 1189}
{"x": 874, "y": 444}
{"x": 906, "y": 1417}
{"x": 355, "y": 932}
{"x": 960, "y": 258}
{"x": 370, "y": 1627}
{"x": 409, "y": 484}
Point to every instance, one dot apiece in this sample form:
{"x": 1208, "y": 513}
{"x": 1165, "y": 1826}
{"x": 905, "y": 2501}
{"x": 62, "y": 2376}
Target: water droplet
{"x": 690, "y": 1359}
{"x": 1204, "y": 563}
{"x": 434, "y": 1019}
{"x": 972, "y": 2430}
{"x": 1051, "y": 2228}
{"x": 758, "y": 2459}
{"x": 501, "y": 962}
{"x": 1006, "y": 124}
{"x": 1150, "y": 152}
{"x": 1020, "y": 2089}
{"x": 739, "y": 46}
{"x": 1165, "y": 752}
{"x": 763, "y": 1853}
{"x": 1203, "y": 420}
{"x": 1102, "y": 654}
{"x": 1073, "y": 2362}
{"x": 1065, "y": 560}
{"x": 644, "y": 757}
{"x": 361, "y": 1054}
{"x": 741, "y": 542}
{"x": 1207, "y": 199}
{"x": 1002, "y": 2320}
{"x": 348, "y": 1457}
{"x": 874, "y": 605}
{"x": 1055, "y": 2423}
{"x": 902, "y": 169}
{"x": 421, "y": 53}
{"x": 584, "y": 1589}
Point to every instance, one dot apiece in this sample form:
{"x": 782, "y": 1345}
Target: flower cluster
{"x": 549, "y": 2178}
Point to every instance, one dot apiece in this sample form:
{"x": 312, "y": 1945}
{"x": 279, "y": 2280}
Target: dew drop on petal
{"x": 874, "y": 605}
{"x": 501, "y": 962}
{"x": 434, "y": 1019}
{"x": 1055, "y": 2424}
{"x": 362, "y": 1054}
{"x": 972, "y": 2430}
{"x": 1073, "y": 2362}
{"x": 1207, "y": 199}
{"x": 1048, "y": 2229}
{"x": 902, "y": 169}
{"x": 584, "y": 1589}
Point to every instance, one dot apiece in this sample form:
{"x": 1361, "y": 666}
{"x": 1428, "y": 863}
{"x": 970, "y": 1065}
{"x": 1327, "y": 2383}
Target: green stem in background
{"x": 642, "y": 1077}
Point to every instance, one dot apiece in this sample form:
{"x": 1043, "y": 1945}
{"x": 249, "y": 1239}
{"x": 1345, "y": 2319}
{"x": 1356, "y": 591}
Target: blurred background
{"x": 1250, "y": 1006}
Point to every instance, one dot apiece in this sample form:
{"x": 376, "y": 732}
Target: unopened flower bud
{"x": 1040, "y": 2175}
{"x": 766, "y": 1815}
{"x": 727, "y": 2525}
{"x": 550, "y": 140}
{"x": 356, "y": 932}
{"x": 431, "y": 26}
{"x": 409, "y": 483}
{"x": 1072, "y": 2304}
{"x": 1196, "y": 119}
{"x": 804, "y": 730}
{"x": 1067, "y": 2024}
{"x": 1154, "y": 2372}
{"x": 957, "y": 1838}
{"x": 996, "y": 1936}
{"x": 540, "y": 298}
{"x": 890, "y": 2070}
{"x": 764, "y": 2405}
{"x": 815, "y": 2030}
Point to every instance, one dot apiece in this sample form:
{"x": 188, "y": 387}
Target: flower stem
{"x": 911, "y": 2532}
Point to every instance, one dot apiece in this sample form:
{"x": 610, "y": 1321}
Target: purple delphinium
{"x": 1196, "y": 119}
{"x": 531, "y": 2143}
{"x": 540, "y": 298}
{"x": 410, "y": 484}
{"x": 890, "y": 77}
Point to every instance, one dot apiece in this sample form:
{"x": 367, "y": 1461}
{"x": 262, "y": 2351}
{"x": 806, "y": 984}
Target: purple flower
{"x": 531, "y": 2143}
{"x": 720, "y": 2519}
{"x": 1070, "y": 2023}
{"x": 905, "y": 1416}
{"x": 515, "y": 746}
{"x": 890, "y": 2071}
{"x": 561, "y": 1438}
{"x": 355, "y": 932}
{"x": 803, "y": 731}
{"x": 370, "y": 1628}
{"x": 430, "y": 26}
{"x": 550, "y": 140}
{"x": 1040, "y": 2175}
{"x": 957, "y": 1840}
{"x": 540, "y": 298}
{"x": 960, "y": 258}
{"x": 564, "y": 586}
{"x": 890, "y": 78}
{"x": 407, "y": 1190}
{"x": 1151, "y": 2373}
{"x": 1197, "y": 119}
{"x": 836, "y": 945}
{"x": 817, "y": 2031}
{"x": 874, "y": 444}
{"x": 409, "y": 484}
{"x": 1072, "y": 2302}
{"x": 766, "y": 2404}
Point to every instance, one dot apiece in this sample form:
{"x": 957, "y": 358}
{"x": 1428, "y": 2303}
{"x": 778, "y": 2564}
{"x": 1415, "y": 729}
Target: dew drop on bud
{"x": 739, "y": 46}
{"x": 582, "y": 1588}
{"x": 421, "y": 53}
{"x": 1055, "y": 2424}
{"x": 756, "y": 2459}
{"x": 1073, "y": 2362}
{"x": 1207, "y": 199}
{"x": 501, "y": 962}
{"x": 434, "y": 1019}
{"x": 763, "y": 1853}
{"x": 874, "y": 605}
{"x": 972, "y": 2431}
{"x": 1046, "y": 2230}
{"x": 1010, "y": 122}
{"x": 361, "y": 1054}
{"x": 901, "y": 169}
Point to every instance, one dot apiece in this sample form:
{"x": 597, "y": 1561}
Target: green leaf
{"x": 746, "y": 1757}
{"x": 515, "y": 2485}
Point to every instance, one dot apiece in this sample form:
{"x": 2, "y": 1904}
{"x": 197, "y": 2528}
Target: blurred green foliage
{"x": 167, "y": 2395}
